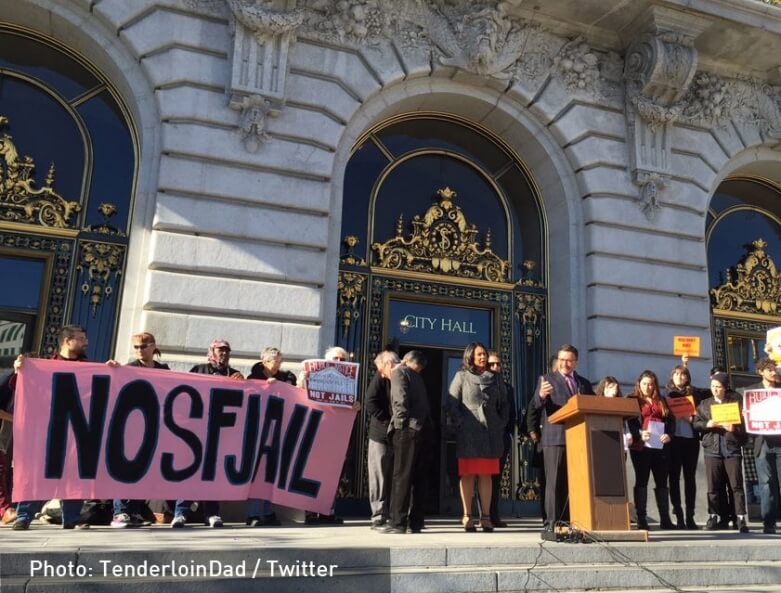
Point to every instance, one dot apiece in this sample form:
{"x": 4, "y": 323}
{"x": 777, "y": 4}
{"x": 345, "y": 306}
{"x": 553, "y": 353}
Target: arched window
{"x": 68, "y": 159}
{"x": 744, "y": 244}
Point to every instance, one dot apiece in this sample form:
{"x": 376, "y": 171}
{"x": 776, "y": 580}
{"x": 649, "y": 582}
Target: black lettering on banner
{"x": 66, "y": 409}
{"x": 138, "y": 395}
{"x": 219, "y": 399}
{"x": 189, "y": 437}
{"x": 275, "y": 409}
{"x": 251, "y": 430}
{"x": 289, "y": 444}
{"x": 298, "y": 483}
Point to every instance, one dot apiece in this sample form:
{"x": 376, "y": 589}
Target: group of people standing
{"x": 480, "y": 411}
{"x": 676, "y": 453}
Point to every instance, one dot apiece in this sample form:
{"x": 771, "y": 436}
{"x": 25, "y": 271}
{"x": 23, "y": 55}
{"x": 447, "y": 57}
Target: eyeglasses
{"x": 494, "y": 364}
{"x": 141, "y": 346}
{"x": 338, "y": 359}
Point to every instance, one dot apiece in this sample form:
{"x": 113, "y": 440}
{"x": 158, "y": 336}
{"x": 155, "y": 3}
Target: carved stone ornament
{"x": 753, "y": 287}
{"x": 442, "y": 242}
{"x": 20, "y": 200}
{"x": 252, "y": 121}
{"x": 483, "y": 37}
{"x": 262, "y": 33}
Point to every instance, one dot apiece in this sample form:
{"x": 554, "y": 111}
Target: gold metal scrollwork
{"x": 350, "y": 258}
{"x": 756, "y": 287}
{"x": 351, "y": 288}
{"x": 101, "y": 260}
{"x": 442, "y": 242}
{"x": 20, "y": 201}
{"x": 530, "y": 309}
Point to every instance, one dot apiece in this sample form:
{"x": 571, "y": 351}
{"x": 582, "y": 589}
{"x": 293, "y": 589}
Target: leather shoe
{"x": 394, "y": 530}
{"x": 548, "y": 534}
{"x": 9, "y": 516}
{"x": 499, "y": 523}
{"x": 769, "y": 529}
{"x": 413, "y": 529}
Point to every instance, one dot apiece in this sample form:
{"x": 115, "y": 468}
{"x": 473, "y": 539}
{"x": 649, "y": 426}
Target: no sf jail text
{"x": 89, "y": 431}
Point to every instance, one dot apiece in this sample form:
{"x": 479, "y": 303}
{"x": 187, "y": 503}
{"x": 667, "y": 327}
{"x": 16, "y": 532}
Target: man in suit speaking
{"x": 554, "y": 390}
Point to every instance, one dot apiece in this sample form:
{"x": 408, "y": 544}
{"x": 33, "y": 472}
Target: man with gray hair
{"x": 408, "y": 430}
{"x": 380, "y": 455}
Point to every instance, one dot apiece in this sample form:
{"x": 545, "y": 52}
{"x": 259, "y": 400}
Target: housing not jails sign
{"x": 86, "y": 431}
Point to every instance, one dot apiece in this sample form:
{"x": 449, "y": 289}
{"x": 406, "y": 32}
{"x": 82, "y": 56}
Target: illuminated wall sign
{"x": 428, "y": 324}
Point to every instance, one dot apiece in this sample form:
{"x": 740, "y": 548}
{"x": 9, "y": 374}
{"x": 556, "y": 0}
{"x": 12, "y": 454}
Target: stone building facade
{"x": 624, "y": 120}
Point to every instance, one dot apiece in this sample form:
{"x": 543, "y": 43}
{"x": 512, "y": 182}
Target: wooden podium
{"x": 596, "y": 465}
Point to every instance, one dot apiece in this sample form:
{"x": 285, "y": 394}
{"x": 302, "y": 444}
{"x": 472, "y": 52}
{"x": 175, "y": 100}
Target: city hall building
{"x": 422, "y": 173}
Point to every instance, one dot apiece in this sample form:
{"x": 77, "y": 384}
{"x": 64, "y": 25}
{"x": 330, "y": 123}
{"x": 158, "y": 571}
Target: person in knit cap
{"x": 721, "y": 443}
{"x": 218, "y": 356}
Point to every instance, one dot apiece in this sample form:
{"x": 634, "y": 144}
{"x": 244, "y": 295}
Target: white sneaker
{"x": 120, "y": 521}
{"x": 215, "y": 521}
{"x": 178, "y": 522}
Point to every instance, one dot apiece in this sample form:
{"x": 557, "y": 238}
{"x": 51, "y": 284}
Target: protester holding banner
{"x": 478, "y": 404}
{"x": 767, "y": 453}
{"x": 260, "y": 513}
{"x": 409, "y": 430}
{"x": 7, "y": 509}
{"x": 379, "y": 460}
{"x": 649, "y": 449}
{"x": 218, "y": 356}
{"x": 682, "y": 399}
{"x": 128, "y": 513}
{"x": 72, "y": 340}
{"x": 719, "y": 419}
{"x": 339, "y": 354}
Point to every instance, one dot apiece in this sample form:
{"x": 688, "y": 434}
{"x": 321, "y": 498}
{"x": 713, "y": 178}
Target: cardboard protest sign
{"x": 681, "y": 407}
{"x": 331, "y": 382}
{"x": 762, "y": 408}
{"x": 85, "y": 431}
{"x": 726, "y": 413}
{"x": 686, "y": 345}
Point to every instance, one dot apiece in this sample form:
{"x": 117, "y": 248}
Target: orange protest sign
{"x": 686, "y": 345}
{"x": 681, "y": 407}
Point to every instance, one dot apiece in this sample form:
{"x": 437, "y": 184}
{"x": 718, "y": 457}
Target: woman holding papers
{"x": 682, "y": 399}
{"x": 649, "y": 448}
{"x": 720, "y": 421}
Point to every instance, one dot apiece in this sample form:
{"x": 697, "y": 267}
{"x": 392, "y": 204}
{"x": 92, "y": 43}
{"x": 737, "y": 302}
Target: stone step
{"x": 586, "y": 577}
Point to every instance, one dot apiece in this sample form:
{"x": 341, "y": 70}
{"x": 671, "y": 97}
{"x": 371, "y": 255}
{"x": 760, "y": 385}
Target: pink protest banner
{"x": 87, "y": 431}
{"x": 762, "y": 411}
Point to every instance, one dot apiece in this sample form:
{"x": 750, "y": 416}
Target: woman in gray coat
{"x": 478, "y": 407}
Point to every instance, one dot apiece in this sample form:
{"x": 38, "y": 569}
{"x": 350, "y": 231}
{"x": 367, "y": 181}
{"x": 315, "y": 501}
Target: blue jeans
{"x": 71, "y": 510}
{"x": 257, "y": 507}
{"x": 768, "y": 471}
{"x": 210, "y": 507}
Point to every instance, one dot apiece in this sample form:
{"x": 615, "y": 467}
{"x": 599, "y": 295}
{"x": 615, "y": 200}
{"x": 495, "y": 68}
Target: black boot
{"x": 680, "y": 522}
{"x": 690, "y": 523}
{"x": 663, "y": 503}
{"x": 641, "y": 501}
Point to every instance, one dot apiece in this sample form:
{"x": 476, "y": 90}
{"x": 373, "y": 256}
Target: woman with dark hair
{"x": 684, "y": 448}
{"x": 608, "y": 387}
{"x": 478, "y": 407}
{"x": 721, "y": 443}
{"x": 649, "y": 448}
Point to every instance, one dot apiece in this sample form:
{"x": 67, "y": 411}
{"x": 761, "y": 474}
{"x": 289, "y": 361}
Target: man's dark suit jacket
{"x": 553, "y": 434}
{"x": 409, "y": 400}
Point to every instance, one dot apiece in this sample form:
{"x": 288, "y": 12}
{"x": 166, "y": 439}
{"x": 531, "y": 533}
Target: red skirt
{"x": 480, "y": 466}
